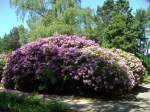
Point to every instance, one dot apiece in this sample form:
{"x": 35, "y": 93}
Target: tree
{"x": 32, "y": 7}
{"x": 102, "y": 20}
{"x": 1, "y": 44}
{"x": 23, "y": 39}
{"x": 105, "y": 12}
{"x": 148, "y": 20}
{"x": 122, "y": 7}
{"x": 10, "y": 41}
{"x": 142, "y": 20}
{"x": 43, "y": 8}
{"x": 119, "y": 28}
{"x": 49, "y": 17}
{"x": 121, "y": 34}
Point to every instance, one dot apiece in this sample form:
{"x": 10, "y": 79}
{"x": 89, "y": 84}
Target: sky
{"x": 9, "y": 19}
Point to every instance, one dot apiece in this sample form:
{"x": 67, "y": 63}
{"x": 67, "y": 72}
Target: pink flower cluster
{"x": 73, "y": 63}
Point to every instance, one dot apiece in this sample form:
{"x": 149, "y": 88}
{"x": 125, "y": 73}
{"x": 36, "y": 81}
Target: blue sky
{"x": 8, "y": 17}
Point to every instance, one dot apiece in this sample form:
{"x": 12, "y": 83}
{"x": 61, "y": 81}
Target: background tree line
{"x": 113, "y": 25}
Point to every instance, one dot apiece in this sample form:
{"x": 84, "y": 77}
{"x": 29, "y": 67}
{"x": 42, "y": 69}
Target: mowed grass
{"x": 13, "y": 103}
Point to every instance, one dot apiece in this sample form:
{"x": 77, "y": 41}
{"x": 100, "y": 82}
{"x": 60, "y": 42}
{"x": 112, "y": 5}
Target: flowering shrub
{"x": 70, "y": 64}
{"x": 123, "y": 70}
{"x": 134, "y": 64}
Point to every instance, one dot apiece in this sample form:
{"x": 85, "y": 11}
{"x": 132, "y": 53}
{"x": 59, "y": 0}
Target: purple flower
{"x": 72, "y": 58}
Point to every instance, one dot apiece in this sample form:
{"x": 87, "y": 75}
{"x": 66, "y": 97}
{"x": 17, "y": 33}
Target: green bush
{"x": 2, "y": 64}
{"x": 145, "y": 59}
{"x": 3, "y": 59}
{"x": 146, "y": 62}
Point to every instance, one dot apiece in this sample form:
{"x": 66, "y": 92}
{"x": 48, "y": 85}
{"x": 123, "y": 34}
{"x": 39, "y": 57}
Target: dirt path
{"x": 130, "y": 103}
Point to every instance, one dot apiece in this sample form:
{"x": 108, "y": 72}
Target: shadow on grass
{"x": 126, "y": 103}
{"x": 10, "y": 102}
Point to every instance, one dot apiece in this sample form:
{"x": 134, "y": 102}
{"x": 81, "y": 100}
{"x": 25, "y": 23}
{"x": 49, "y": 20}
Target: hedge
{"x": 72, "y": 64}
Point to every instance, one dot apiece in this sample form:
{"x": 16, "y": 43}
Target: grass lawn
{"x": 12, "y": 103}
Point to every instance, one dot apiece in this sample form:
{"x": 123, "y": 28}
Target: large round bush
{"x": 71, "y": 64}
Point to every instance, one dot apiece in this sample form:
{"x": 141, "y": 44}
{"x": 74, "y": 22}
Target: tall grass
{"x": 13, "y": 103}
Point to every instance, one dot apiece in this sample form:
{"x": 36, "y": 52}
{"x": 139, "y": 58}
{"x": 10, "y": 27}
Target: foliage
{"x": 147, "y": 78}
{"x": 142, "y": 21}
{"x": 3, "y": 59}
{"x": 116, "y": 24}
{"x": 49, "y": 17}
{"x": 43, "y": 7}
{"x": 146, "y": 61}
{"x": 22, "y": 35}
{"x": 71, "y": 64}
{"x": 2, "y": 64}
{"x": 10, "y": 41}
{"x": 13, "y": 103}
